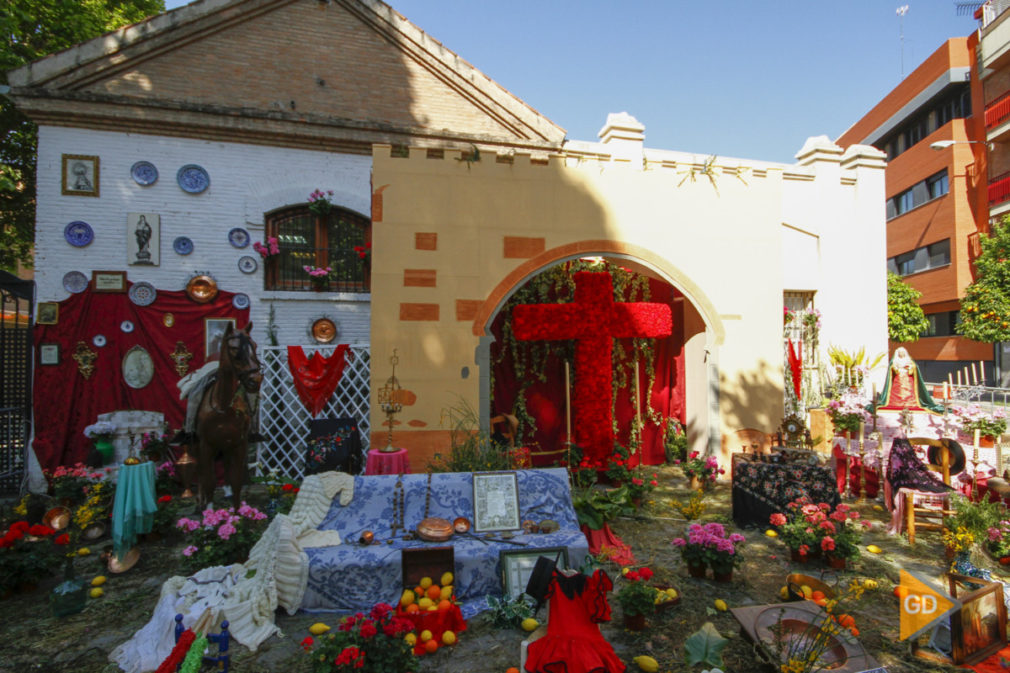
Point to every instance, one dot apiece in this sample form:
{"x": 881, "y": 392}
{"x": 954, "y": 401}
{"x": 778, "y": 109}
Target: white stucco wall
{"x": 245, "y": 182}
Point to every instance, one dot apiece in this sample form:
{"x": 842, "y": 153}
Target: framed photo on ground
{"x": 48, "y": 313}
{"x": 80, "y": 175}
{"x": 49, "y": 354}
{"x": 213, "y": 333}
{"x": 978, "y": 629}
{"x": 495, "y": 501}
{"x": 516, "y": 567}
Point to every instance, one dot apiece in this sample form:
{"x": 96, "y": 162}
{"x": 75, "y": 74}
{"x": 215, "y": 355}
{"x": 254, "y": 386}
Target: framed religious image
{"x": 213, "y": 332}
{"x": 47, "y": 313}
{"x": 108, "y": 281}
{"x": 517, "y": 566}
{"x": 143, "y": 239}
{"x": 978, "y": 629}
{"x": 49, "y": 354}
{"x": 495, "y": 501}
{"x": 80, "y": 175}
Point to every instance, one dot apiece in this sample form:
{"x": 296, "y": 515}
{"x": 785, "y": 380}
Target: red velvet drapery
{"x": 65, "y": 402}
{"x": 545, "y": 401}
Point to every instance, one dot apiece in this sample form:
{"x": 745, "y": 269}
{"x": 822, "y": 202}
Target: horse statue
{"x": 225, "y": 415}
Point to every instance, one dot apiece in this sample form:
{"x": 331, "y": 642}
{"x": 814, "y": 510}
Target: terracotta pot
{"x": 634, "y": 622}
{"x": 696, "y": 484}
{"x": 797, "y": 557}
{"x": 949, "y": 553}
{"x": 636, "y": 502}
{"x": 696, "y": 570}
{"x": 723, "y": 577}
{"x": 836, "y": 562}
{"x": 986, "y": 442}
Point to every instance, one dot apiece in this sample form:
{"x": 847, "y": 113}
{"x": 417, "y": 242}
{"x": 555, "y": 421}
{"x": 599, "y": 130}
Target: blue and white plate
{"x": 78, "y": 234}
{"x": 240, "y": 301}
{"x": 126, "y": 326}
{"x": 248, "y": 264}
{"x": 144, "y": 173}
{"x": 183, "y": 245}
{"x": 142, "y": 293}
{"x": 238, "y": 237}
{"x": 98, "y": 340}
{"x": 75, "y": 282}
{"x": 193, "y": 179}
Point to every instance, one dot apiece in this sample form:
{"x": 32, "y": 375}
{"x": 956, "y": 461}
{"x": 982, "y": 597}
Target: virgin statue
{"x": 904, "y": 388}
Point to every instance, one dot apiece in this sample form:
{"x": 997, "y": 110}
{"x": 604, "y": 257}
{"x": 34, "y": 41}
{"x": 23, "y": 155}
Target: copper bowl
{"x": 93, "y": 531}
{"x": 57, "y": 518}
{"x": 434, "y": 529}
{"x": 367, "y": 537}
{"x": 121, "y": 566}
{"x": 201, "y": 289}
{"x": 461, "y": 524}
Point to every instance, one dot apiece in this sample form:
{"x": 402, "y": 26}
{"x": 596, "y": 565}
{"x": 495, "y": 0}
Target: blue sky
{"x": 740, "y": 78}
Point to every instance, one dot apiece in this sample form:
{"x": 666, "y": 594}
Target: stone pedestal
{"x": 130, "y": 426}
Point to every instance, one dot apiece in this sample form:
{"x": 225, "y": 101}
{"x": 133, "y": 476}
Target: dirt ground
{"x": 32, "y": 640}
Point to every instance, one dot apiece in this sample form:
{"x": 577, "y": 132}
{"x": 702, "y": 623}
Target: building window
{"x": 922, "y": 192}
{"x": 956, "y": 104}
{"x": 921, "y": 259}
{"x": 942, "y": 324}
{"x": 307, "y": 239}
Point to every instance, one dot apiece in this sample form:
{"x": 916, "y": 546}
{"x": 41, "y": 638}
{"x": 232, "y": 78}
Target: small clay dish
{"x": 57, "y": 518}
{"x": 461, "y": 524}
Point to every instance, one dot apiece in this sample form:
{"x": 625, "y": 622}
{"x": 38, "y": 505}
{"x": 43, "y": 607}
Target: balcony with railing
{"x": 999, "y": 189}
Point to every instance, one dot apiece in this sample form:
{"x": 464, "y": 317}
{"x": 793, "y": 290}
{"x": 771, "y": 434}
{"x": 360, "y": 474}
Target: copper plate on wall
{"x": 324, "y": 330}
{"x": 201, "y": 289}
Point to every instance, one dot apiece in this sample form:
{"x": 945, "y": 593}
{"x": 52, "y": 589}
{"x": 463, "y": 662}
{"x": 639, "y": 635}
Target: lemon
{"x": 446, "y": 591}
{"x": 96, "y": 592}
{"x": 771, "y": 533}
{"x": 98, "y": 581}
{"x": 873, "y": 549}
{"x": 448, "y": 638}
{"x": 720, "y": 605}
{"x": 784, "y": 592}
{"x": 433, "y": 608}
{"x": 446, "y": 579}
{"x": 878, "y": 508}
{"x": 808, "y": 593}
{"x": 407, "y": 598}
{"x": 425, "y": 582}
{"x": 671, "y": 592}
{"x": 83, "y": 551}
{"x": 425, "y": 636}
{"x": 646, "y": 663}
{"x": 869, "y": 584}
{"x": 410, "y": 639}
{"x": 425, "y": 603}
{"x": 625, "y": 570}
{"x": 529, "y": 624}
{"x": 318, "y": 629}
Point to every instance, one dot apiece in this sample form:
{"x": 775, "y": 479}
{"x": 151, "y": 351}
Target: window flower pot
{"x": 696, "y": 570}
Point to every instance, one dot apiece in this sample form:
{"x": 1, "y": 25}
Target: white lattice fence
{"x": 284, "y": 420}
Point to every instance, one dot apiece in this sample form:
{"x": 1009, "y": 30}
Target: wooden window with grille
{"x": 336, "y": 240}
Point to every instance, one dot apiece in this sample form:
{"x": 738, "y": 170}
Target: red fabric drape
{"x": 619, "y": 550}
{"x": 317, "y": 377}
{"x": 795, "y": 367}
{"x": 65, "y": 402}
{"x": 545, "y": 401}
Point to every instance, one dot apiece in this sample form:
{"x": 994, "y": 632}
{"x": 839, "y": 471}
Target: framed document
{"x": 143, "y": 239}
{"x": 80, "y": 175}
{"x": 108, "y": 281}
{"x": 516, "y": 567}
{"x": 49, "y": 354}
{"x": 47, "y": 313}
{"x": 213, "y": 333}
{"x": 495, "y": 501}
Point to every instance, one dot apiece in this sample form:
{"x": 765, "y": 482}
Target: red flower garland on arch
{"x": 594, "y": 320}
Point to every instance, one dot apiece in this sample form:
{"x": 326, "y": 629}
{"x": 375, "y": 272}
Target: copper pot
{"x": 434, "y": 529}
{"x": 461, "y": 524}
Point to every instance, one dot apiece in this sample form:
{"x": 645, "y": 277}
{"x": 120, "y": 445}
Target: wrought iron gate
{"x": 284, "y": 420}
{"x": 16, "y": 314}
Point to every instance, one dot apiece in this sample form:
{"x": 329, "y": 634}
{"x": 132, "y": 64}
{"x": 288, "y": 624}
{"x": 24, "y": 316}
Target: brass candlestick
{"x": 389, "y": 401}
{"x": 862, "y": 469}
{"x": 186, "y": 468}
{"x": 848, "y": 474}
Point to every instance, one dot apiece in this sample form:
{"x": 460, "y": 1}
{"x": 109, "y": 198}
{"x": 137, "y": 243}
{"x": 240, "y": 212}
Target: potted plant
{"x": 842, "y": 535}
{"x": 319, "y": 276}
{"x": 848, "y": 412}
{"x": 319, "y": 201}
{"x": 221, "y": 536}
{"x": 268, "y": 249}
{"x": 618, "y": 471}
{"x": 799, "y": 528}
{"x": 72, "y": 485}
{"x": 27, "y": 554}
{"x": 990, "y": 425}
{"x": 101, "y": 434}
{"x": 637, "y": 598}
{"x": 709, "y": 545}
{"x": 701, "y": 471}
{"x": 372, "y": 643}
{"x": 639, "y": 487}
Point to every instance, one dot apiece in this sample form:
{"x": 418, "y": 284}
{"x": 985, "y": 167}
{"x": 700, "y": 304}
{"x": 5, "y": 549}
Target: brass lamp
{"x": 389, "y": 401}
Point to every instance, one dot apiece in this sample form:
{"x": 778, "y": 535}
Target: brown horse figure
{"x": 225, "y": 415}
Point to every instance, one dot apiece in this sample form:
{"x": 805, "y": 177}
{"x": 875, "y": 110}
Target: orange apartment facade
{"x": 937, "y": 194}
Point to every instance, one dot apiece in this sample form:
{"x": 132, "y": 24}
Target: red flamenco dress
{"x": 573, "y": 643}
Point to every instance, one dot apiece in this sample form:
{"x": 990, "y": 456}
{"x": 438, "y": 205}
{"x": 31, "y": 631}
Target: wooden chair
{"x": 929, "y": 517}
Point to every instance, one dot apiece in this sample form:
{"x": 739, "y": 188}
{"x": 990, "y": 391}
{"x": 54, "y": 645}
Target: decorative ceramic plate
{"x": 182, "y": 245}
{"x": 78, "y": 234}
{"x": 248, "y": 264}
{"x": 193, "y": 179}
{"x": 142, "y": 293}
{"x": 238, "y": 237}
{"x": 201, "y": 289}
{"x": 168, "y": 320}
{"x": 98, "y": 340}
{"x": 240, "y": 301}
{"x": 324, "y": 330}
{"x": 144, "y": 173}
{"x": 126, "y": 326}
{"x": 75, "y": 282}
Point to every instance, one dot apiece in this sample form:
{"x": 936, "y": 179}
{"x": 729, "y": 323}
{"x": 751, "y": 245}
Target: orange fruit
{"x": 412, "y": 609}
{"x": 821, "y": 601}
{"x": 419, "y": 591}
{"x": 431, "y": 646}
{"x": 901, "y": 591}
{"x": 817, "y": 595}
{"x": 847, "y": 621}
{"x": 854, "y": 631}
{"x": 444, "y": 604}
{"x": 434, "y": 592}
{"x": 513, "y": 669}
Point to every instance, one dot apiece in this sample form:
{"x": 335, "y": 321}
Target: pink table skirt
{"x": 394, "y": 462}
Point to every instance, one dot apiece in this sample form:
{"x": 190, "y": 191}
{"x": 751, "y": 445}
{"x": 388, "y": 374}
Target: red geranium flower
{"x": 62, "y": 539}
{"x": 287, "y": 487}
{"x": 307, "y": 643}
{"x": 164, "y": 498}
{"x": 646, "y": 573}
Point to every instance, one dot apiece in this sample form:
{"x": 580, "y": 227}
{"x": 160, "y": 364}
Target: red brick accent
{"x": 425, "y": 241}
{"x": 377, "y": 203}
{"x": 521, "y": 247}
{"x": 410, "y": 311}
{"x": 419, "y": 278}
{"x": 466, "y": 309}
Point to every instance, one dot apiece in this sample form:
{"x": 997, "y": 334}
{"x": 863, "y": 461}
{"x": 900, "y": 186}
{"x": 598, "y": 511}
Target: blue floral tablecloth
{"x": 351, "y": 577}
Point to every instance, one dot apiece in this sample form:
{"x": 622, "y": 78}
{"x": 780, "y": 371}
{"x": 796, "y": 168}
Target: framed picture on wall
{"x": 80, "y": 175}
{"x": 143, "y": 239}
{"x": 49, "y": 354}
{"x": 213, "y": 333}
{"x": 495, "y": 501}
{"x": 47, "y": 313}
{"x": 108, "y": 281}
